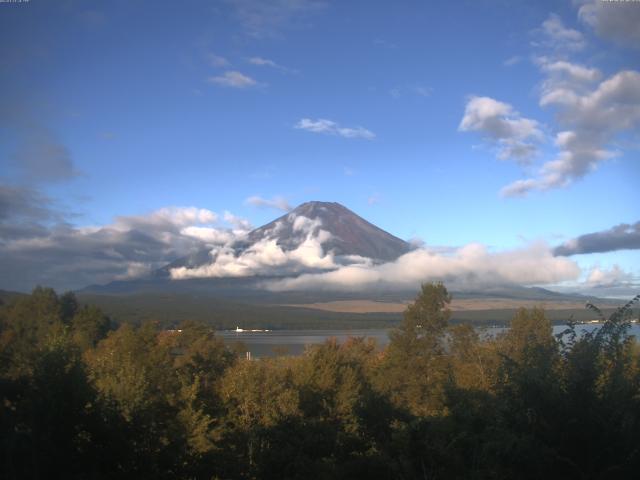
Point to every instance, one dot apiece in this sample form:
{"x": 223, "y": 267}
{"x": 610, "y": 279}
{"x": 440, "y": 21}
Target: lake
{"x": 293, "y": 342}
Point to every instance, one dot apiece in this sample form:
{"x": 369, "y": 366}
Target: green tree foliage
{"x": 47, "y": 418}
{"x": 28, "y": 325}
{"x": 89, "y": 325}
{"x": 79, "y": 399}
{"x": 414, "y": 366}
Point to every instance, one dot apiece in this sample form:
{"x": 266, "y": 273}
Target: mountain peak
{"x": 337, "y": 229}
{"x": 350, "y": 234}
{"x": 316, "y": 206}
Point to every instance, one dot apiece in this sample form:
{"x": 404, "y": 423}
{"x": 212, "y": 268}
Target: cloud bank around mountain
{"x": 310, "y": 266}
{"x": 38, "y": 245}
{"x": 471, "y": 266}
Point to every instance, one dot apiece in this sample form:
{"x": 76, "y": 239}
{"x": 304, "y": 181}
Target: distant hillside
{"x": 7, "y": 296}
{"x": 226, "y": 313}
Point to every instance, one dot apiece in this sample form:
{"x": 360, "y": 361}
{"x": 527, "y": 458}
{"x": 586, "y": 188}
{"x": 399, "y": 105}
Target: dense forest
{"x": 82, "y": 398}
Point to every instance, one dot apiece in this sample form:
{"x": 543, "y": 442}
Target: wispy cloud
{"x": 278, "y": 203}
{"x": 233, "y": 79}
{"x": 329, "y": 127}
{"x": 265, "y": 62}
{"x": 261, "y": 18}
{"x": 511, "y": 61}
{"x": 38, "y": 154}
{"x": 415, "y": 90}
{"x": 555, "y": 35}
{"x": 216, "y": 60}
{"x": 25, "y": 212}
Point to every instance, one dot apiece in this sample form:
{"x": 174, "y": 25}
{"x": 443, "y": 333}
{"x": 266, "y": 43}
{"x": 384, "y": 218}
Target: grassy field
{"x": 298, "y": 313}
{"x": 372, "y": 306}
{"x": 171, "y": 309}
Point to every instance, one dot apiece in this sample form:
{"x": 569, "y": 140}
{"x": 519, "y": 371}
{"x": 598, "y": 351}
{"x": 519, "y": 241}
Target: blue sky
{"x": 138, "y": 106}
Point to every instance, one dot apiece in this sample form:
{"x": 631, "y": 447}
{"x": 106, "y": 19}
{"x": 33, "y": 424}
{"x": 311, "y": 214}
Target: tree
{"x": 137, "y": 389}
{"x": 89, "y": 326}
{"x": 28, "y": 326}
{"x": 414, "y": 369}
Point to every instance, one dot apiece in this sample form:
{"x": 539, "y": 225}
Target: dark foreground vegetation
{"x": 80, "y": 399}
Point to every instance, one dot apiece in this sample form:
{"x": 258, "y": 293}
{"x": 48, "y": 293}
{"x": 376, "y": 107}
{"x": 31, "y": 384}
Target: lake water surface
{"x": 293, "y": 342}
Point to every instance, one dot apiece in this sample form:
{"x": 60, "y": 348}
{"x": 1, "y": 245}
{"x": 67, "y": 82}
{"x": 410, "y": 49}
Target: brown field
{"x": 371, "y": 306}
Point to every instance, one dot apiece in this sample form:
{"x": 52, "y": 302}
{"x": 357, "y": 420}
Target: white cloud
{"x": 279, "y": 203}
{"x": 562, "y": 72}
{"x": 617, "y": 21}
{"x": 516, "y": 137}
{"x": 330, "y": 127}
{"x": 614, "y": 277}
{"x": 560, "y": 37}
{"x": 266, "y": 257}
{"x": 238, "y": 222}
{"x": 134, "y": 270}
{"x": 209, "y": 235}
{"x": 591, "y": 117}
{"x": 167, "y": 218}
{"x": 470, "y": 266}
{"x": 233, "y": 79}
{"x": 590, "y": 112}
